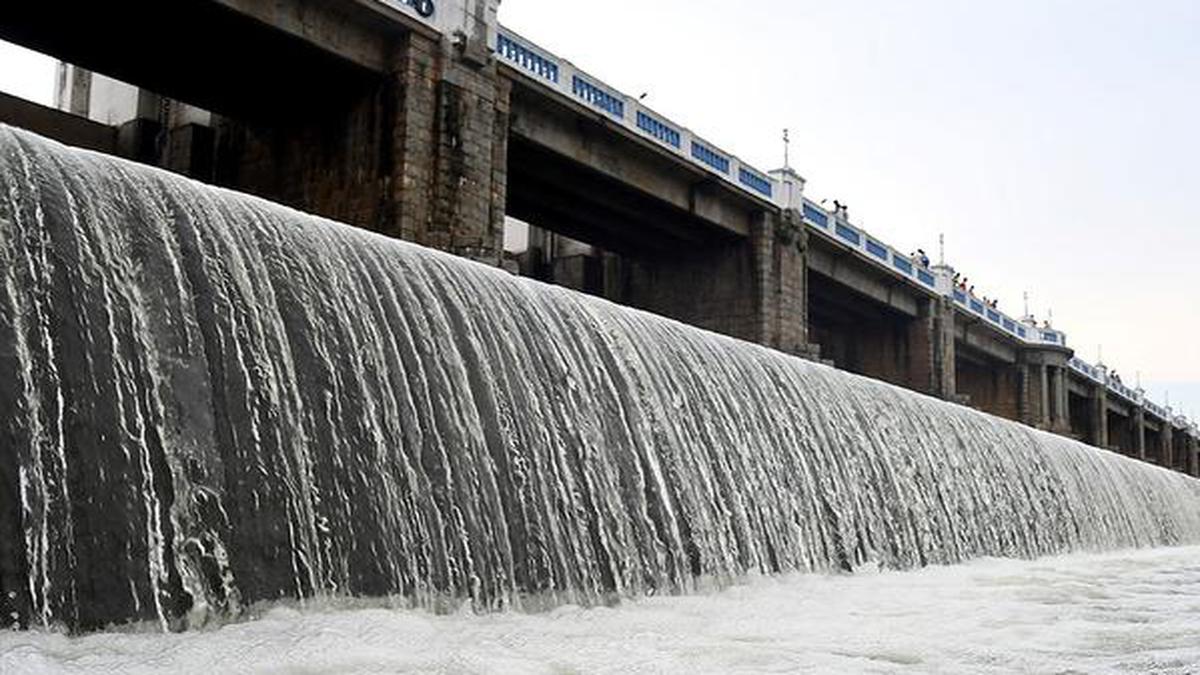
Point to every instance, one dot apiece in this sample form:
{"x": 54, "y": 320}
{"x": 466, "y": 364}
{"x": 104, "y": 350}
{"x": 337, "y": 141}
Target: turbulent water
{"x": 210, "y": 401}
{"x": 1125, "y": 613}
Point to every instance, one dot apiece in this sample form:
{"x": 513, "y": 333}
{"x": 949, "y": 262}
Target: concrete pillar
{"x": 1064, "y": 394}
{"x": 930, "y": 353}
{"x": 781, "y": 265}
{"x": 1009, "y": 389}
{"x": 945, "y": 386}
{"x": 1044, "y": 381}
{"x": 450, "y": 143}
{"x": 1193, "y": 450}
{"x": 1042, "y": 390}
{"x": 1029, "y": 389}
{"x": 1167, "y": 445}
{"x": 420, "y": 155}
{"x": 1139, "y": 433}
{"x": 1099, "y": 432}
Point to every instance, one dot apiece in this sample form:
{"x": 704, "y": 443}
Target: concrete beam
{"x": 60, "y": 126}
{"x": 219, "y": 55}
{"x": 348, "y": 30}
{"x": 1120, "y": 406}
{"x": 1079, "y": 386}
{"x": 978, "y": 336}
{"x": 560, "y": 195}
{"x": 588, "y": 139}
{"x": 861, "y": 277}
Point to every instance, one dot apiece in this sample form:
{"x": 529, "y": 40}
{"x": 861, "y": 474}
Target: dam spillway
{"x": 209, "y": 401}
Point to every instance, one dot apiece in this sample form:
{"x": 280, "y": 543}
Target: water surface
{"x": 1132, "y": 612}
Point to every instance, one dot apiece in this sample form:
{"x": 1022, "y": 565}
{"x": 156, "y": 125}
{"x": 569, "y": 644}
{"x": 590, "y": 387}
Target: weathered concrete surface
{"x": 420, "y": 155}
{"x": 1194, "y": 455}
{"x": 1099, "y": 402}
{"x": 1139, "y": 434}
{"x": 560, "y": 146}
{"x": 206, "y": 53}
{"x": 61, "y": 126}
{"x": 340, "y": 28}
{"x": 754, "y": 289}
{"x": 867, "y": 321}
{"x": 836, "y": 263}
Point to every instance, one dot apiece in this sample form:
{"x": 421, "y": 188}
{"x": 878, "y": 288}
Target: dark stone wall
{"x": 418, "y": 155}
{"x": 754, "y": 289}
{"x": 992, "y": 388}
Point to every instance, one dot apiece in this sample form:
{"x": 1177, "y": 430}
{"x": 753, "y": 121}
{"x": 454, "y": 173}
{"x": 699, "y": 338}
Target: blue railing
{"x": 877, "y": 249}
{"x": 659, "y": 129}
{"x": 816, "y": 216}
{"x": 560, "y": 75}
{"x": 1137, "y": 397}
{"x": 848, "y": 233}
{"x": 527, "y": 58}
{"x": 755, "y": 182}
{"x": 598, "y": 97}
{"x": 710, "y": 157}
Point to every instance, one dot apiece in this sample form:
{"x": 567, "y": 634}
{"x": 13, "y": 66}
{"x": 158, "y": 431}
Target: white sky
{"x": 1051, "y": 141}
{"x": 26, "y": 74}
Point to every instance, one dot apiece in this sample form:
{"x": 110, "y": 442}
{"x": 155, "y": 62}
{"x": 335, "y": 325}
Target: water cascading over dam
{"x": 208, "y": 401}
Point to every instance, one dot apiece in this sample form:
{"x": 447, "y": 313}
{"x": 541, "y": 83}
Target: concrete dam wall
{"x": 209, "y": 401}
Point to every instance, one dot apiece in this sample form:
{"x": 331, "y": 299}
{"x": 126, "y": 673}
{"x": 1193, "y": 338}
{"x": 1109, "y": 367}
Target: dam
{"x": 211, "y": 401}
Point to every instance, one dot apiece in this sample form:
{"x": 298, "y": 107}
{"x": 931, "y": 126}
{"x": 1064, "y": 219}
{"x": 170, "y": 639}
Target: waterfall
{"x": 209, "y": 401}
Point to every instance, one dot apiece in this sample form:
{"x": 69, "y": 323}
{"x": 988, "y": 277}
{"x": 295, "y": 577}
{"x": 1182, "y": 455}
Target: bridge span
{"x": 428, "y": 121}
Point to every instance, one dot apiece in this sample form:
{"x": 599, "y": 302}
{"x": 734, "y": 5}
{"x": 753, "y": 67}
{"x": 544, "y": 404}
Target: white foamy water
{"x": 1128, "y": 612}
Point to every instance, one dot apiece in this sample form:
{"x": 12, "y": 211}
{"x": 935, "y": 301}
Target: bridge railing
{"x": 1125, "y": 392}
{"x": 1087, "y": 370}
{"x": 882, "y": 255}
{"x": 1021, "y": 330}
{"x": 563, "y": 77}
{"x": 1136, "y": 396}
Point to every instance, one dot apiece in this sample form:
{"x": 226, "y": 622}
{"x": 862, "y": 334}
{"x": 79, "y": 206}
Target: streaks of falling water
{"x": 209, "y": 401}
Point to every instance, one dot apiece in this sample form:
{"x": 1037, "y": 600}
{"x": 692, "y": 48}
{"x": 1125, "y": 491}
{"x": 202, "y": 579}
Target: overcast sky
{"x": 1053, "y": 142}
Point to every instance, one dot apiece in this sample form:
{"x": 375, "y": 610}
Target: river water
{"x": 1128, "y": 612}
